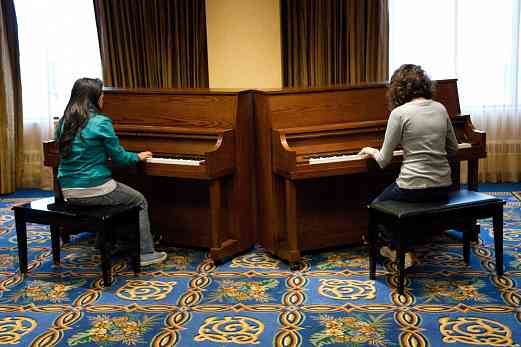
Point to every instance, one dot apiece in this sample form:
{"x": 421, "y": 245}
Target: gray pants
{"x": 123, "y": 195}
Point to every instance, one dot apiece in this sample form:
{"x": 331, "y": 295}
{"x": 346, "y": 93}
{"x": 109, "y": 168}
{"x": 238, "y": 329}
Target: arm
{"x": 451, "y": 143}
{"x": 393, "y": 136}
{"x": 111, "y": 143}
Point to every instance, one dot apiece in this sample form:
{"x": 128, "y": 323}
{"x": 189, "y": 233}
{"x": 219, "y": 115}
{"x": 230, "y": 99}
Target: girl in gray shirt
{"x": 423, "y": 128}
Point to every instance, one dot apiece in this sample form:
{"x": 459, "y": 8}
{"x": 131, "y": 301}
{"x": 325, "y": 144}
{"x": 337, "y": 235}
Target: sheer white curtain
{"x": 58, "y": 44}
{"x": 477, "y": 42}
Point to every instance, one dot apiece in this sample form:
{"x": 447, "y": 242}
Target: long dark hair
{"x": 408, "y": 82}
{"x": 84, "y": 99}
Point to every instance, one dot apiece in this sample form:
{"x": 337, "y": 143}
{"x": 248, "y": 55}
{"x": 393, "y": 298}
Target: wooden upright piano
{"x": 200, "y": 183}
{"x": 313, "y": 188}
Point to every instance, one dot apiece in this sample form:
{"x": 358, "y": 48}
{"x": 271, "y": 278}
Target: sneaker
{"x": 391, "y": 255}
{"x": 152, "y": 258}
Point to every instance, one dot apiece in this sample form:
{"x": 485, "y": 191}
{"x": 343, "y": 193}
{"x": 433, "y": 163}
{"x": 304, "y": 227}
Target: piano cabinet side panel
{"x": 268, "y": 200}
{"x": 244, "y": 206}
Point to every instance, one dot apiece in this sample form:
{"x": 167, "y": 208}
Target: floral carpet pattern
{"x": 255, "y": 300}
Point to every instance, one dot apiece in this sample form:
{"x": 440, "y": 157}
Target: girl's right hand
{"x": 368, "y": 151}
{"x": 144, "y": 155}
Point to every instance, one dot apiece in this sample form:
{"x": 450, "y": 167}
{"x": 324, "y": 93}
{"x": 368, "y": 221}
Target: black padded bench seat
{"x": 459, "y": 212}
{"x": 57, "y": 215}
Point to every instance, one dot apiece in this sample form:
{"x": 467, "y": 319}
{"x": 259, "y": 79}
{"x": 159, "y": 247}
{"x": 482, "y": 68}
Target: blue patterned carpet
{"x": 255, "y": 300}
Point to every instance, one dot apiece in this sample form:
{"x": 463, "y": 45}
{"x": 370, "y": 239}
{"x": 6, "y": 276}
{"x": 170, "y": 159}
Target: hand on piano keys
{"x": 350, "y": 157}
{"x": 144, "y": 155}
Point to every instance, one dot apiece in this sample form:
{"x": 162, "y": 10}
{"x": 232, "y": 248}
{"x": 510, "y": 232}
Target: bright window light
{"x": 475, "y": 41}
{"x": 58, "y": 44}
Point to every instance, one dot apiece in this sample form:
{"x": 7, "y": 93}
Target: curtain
{"x": 11, "y": 126}
{"x": 328, "y": 42}
{"x": 58, "y": 44}
{"x": 153, "y": 43}
{"x": 479, "y": 44}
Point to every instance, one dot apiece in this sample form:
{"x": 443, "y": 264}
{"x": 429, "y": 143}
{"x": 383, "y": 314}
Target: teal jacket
{"x": 87, "y": 164}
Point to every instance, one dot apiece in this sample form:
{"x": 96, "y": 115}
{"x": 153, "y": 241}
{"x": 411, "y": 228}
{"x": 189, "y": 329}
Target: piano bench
{"x": 58, "y": 215}
{"x": 404, "y": 219}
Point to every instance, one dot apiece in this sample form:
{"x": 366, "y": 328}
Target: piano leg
{"x": 293, "y": 255}
{"x": 455, "y": 174}
{"x": 473, "y": 174}
{"x": 222, "y": 246}
{"x": 215, "y": 216}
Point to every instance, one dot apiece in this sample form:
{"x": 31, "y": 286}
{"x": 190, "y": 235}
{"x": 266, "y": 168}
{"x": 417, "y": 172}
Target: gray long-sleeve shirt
{"x": 424, "y": 130}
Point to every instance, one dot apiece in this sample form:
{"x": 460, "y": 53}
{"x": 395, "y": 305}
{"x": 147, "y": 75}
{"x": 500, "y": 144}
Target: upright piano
{"x": 200, "y": 182}
{"x": 313, "y": 188}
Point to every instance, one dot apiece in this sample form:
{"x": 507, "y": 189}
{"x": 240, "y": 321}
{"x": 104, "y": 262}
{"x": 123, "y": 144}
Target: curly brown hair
{"x": 408, "y": 82}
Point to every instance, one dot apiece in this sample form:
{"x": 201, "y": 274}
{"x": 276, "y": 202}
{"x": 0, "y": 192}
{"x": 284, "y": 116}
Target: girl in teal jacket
{"x": 86, "y": 141}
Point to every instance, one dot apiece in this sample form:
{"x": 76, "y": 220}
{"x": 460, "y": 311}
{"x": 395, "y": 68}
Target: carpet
{"x": 254, "y": 299}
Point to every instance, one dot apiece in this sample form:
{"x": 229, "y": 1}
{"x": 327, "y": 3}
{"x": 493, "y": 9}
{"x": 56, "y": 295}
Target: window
{"x": 58, "y": 44}
{"x": 476, "y": 41}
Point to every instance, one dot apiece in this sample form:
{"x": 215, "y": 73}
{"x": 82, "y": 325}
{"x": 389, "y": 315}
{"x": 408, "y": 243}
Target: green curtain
{"x": 153, "y": 43}
{"x": 332, "y": 42}
{"x": 11, "y": 116}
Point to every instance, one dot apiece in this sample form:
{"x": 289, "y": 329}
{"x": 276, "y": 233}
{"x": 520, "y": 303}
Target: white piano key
{"x": 176, "y": 161}
{"x": 337, "y": 158}
{"x": 350, "y": 157}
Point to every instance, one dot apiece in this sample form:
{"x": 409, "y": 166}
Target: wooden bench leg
{"x": 475, "y": 230}
{"x": 106, "y": 265}
{"x": 497, "y": 223}
{"x": 373, "y": 238}
{"x": 55, "y": 243}
{"x": 21, "y": 239}
{"x": 467, "y": 236}
{"x": 400, "y": 255}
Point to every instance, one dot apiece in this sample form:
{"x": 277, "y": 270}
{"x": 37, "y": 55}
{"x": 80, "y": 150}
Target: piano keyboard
{"x": 176, "y": 161}
{"x": 350, "y": 157}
